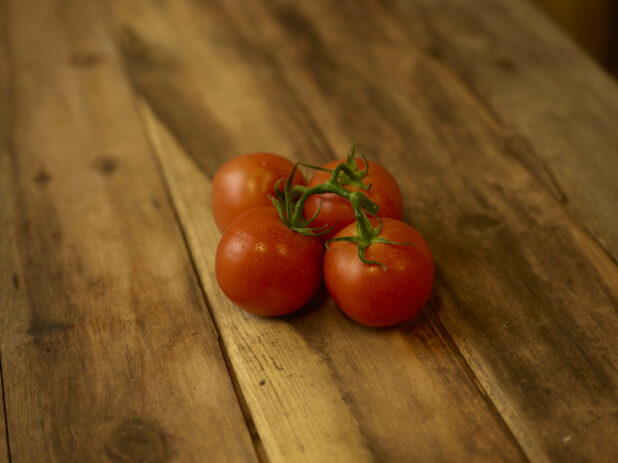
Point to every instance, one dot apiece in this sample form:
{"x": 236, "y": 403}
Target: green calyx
{"x": 287, "y": 205}
{"x": 366, "y": 235}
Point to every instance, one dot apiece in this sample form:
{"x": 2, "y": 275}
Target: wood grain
{"x": 108, "y": 353}
{"x": 5, "y": 284}
{"x": 318, "y": 387}
{"x": 554, "y": 108}
{"x": 527, "y": 295}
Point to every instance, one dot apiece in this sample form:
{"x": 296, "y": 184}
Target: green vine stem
{"x": 291, "y": 201}
{"x": 348, "y": 173}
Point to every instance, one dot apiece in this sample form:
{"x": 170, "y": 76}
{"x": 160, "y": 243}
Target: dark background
{"x": 591, "y": 23}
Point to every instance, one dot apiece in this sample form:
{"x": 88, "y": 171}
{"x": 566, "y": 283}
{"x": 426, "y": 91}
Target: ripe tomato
{"x": 337, "y": 211}
{"x": 368, "y": 293}
{"x": 266, "y": 268}
{"x": 245, "y": 182}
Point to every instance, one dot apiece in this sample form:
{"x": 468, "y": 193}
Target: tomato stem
{"x": 366, "y": 235}
{"x": 291, "y": 201}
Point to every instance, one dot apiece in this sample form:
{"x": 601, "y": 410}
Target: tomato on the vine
{"x": 266, "y": 268}
{"x": 245, "y": 182}
{"x": 377, "y": 296}
{"x": 336, "y": 211}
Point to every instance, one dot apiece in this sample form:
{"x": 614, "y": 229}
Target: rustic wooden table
{"x": 117, "y": 344}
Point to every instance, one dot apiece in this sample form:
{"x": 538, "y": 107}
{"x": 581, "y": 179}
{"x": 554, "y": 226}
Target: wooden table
{"x": 117, "y": 344}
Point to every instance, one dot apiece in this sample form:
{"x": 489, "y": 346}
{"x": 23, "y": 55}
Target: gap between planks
{"x": 251, "y": 428}
{"x": 444, "y": 335}
{"x": 159, "y": 438}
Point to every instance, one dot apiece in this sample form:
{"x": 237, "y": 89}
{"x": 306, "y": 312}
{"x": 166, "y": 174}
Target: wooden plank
{"x": 5, "y": 284}
{"x": 319, "y": 387}
{"x": 108, "y": 353}
{"x": 553, "y": 107}
{"x": 528, "y": 297}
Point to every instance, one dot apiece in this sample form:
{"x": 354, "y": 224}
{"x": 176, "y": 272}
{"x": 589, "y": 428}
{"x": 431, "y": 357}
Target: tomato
{"x": 336, "y": 211}
{"x": 266, "y": 268}
{"x": 368, "y": 293}
{"x": 245, "y": 182}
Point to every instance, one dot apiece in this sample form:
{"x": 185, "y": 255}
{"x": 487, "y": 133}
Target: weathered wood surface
{"x": 501, "y": 134}
{"x": 556, "y": 111}
{"x": 108, "y": 353}
{"x": 5, "y": 285}
{"x": 527, "y": 295}
{"x": 318, "y": 387}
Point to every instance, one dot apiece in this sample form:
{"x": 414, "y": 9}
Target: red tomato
{"x": 266, "y": 268}
{"x": 245, "y": 182}
{"x": 368, "y": 293}
{"x": 338, "y": 212}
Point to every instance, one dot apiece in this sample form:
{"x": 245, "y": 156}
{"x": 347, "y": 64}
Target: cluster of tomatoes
{"x": 282, "y": 237}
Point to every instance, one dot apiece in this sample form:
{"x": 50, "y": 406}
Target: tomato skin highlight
{"x": 369, "y": 294}
{"x": 245, "y": 182}
{"x": 266, "y": 268}
{"x": 337, "y": 211}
